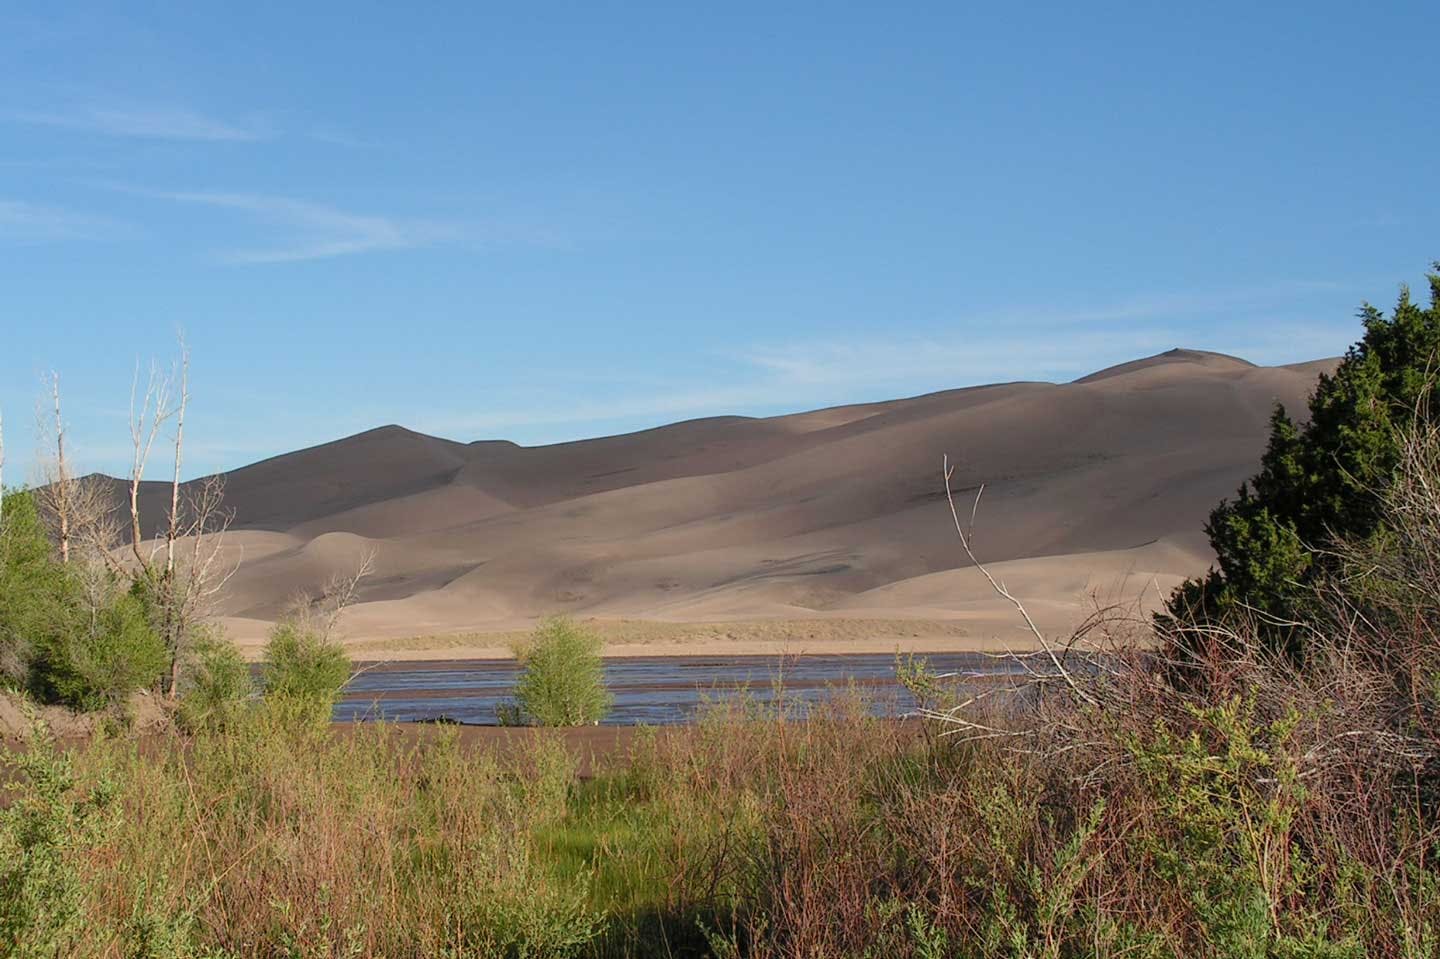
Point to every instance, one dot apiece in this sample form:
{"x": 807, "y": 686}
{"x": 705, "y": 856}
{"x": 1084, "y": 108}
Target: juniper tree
{"x": 1319, "y": 483}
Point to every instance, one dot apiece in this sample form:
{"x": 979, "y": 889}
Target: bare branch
{"x": 147, "y": 413}
{"x": 342, "y": 591}
{"x": 998, "y": 587}
{"x": 59, "y": 484}
{"x": 173, "y": 520}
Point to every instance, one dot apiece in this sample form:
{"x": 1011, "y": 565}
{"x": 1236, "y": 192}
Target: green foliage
{"x": 47, "y": 820}
{"x": 102, "y": 655}
{"x": 1319, "y": 484}
{"x": 563, "y": 683}
{"x": 216, "y": 683}
{"x": 35, "y": 593}
{"x": 1207, "y": 835}
{"x": 304, "y": 670}
{"x": 1227, "y": 799}
{"x": 77, "y": 637}
{"x": 928, "y": 688}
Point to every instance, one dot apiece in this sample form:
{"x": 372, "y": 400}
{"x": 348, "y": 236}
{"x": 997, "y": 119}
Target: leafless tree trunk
{"x": 183, "y": 582}
{"x": 196, "y": 577}
{"x": 173, "y": 521}
{"x": 78, "y": 511}
{"x": 183, "y": 568}
{"x": 60, "y": 484}
{"x": 173, "y": 604}
{"x": 146, "y": 417}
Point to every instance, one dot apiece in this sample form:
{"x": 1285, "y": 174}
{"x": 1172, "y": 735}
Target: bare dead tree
{"x": 148, "y": 412}
{"x": 195, "y": 570}
{"x": 319, "y": 613}
{"x": 343, "y": 590}
{"x": 186, "y": 569}
{"x": 186, "y": 566}
{"x": 94, "y": 526}
{"x": 60, "y": 483}
{"x": 78, "y": 510}
{"x": 173, "y": 520}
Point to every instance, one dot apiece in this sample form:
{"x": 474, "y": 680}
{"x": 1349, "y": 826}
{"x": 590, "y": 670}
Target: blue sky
{"x": 543, "y": 222}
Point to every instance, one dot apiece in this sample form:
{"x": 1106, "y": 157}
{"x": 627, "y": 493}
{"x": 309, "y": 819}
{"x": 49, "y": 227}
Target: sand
{"x": 824, "y": 530}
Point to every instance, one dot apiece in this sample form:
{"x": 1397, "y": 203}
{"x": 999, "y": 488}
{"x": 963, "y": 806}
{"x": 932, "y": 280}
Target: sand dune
{"x": 1097, "y": 486}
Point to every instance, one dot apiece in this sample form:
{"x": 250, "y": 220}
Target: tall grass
{"x": 1197, "y": 832}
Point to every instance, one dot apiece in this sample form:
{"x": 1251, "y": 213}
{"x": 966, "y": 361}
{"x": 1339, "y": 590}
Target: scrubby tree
{"x": 179, "y": 582}
{"x": 305, "y": 667}
{"x": 1319, "y": 483}
{"x": 303, "y": 671}
{"x": 69, "y": 632}
{"x": 101, "y": 654}
{"x": 33, "y": 587}
{"x": 563, "y": 683}
{"x": 216, "y": 683}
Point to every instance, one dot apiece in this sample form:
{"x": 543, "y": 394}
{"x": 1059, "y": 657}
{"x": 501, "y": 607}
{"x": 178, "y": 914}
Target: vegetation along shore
{"x": 1254, "y": 771}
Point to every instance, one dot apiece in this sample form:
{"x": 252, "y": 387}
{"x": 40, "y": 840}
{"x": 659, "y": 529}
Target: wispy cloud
{"x": 316, "y": 231}
{"x": 1047, "y": 344}
{"x": 799, "y": 376}
{"x": 1028, "y": 354}
{"x": 22, "y": 222}
{"x": 141, "y": 122}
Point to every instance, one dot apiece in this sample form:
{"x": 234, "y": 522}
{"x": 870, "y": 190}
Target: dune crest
{"x": 1092, "y": 486}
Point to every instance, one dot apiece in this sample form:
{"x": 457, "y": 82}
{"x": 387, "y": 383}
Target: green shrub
{"x": 47, "y": 819}
{"x": 563, "y": 683}
{"x": 35, "y": 592}
{"x": 1319, "y": 483}
{"x": 216, "y": 683}
{"x": 100, "y": 656}
{"x": 70, "y": 634}
{"x": 304, "y": 669}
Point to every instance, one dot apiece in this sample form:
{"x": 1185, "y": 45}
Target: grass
{"x": 1177, "y": 827}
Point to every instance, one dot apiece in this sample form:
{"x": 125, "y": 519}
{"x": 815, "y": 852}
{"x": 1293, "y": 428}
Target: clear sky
{"x": 544, "y": 222}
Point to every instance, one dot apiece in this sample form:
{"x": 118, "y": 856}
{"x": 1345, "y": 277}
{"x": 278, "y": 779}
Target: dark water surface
{"x": 653, "y": 690}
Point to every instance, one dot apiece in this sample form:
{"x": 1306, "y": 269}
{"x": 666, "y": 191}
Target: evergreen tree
{"x": 1318, "y": 483}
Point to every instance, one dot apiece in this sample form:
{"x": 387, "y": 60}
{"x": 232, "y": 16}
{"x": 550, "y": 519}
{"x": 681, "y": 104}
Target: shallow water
{"x": 654, "y": 690}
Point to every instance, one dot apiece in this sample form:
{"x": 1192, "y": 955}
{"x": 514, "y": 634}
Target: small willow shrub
{"x": 304, "y": 670}
{"x": 563, "y": 683}
{"x": 217, "y": 683}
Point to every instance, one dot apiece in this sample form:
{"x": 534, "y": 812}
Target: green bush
{"x": 71, "y": 635}
{"x": 35, "y": 592}
{"x": 215, "y": 684}
{"x": 304, "y": 669}
{"x": 563, "y": 683}
{"x": 100, "y": 656}
{"x": 47, "y": 819}
{"x": 1319, "y": 484}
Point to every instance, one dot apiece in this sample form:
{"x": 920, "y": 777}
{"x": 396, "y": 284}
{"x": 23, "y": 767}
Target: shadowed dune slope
{"x": 1099, "y": 485}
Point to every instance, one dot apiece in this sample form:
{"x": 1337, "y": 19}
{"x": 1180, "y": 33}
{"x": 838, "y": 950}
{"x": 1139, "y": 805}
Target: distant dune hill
{"x": 1097, "y": 485}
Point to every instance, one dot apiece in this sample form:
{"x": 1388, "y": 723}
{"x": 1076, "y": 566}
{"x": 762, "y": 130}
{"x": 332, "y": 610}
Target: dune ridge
{"x": 1099, "y": 486}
